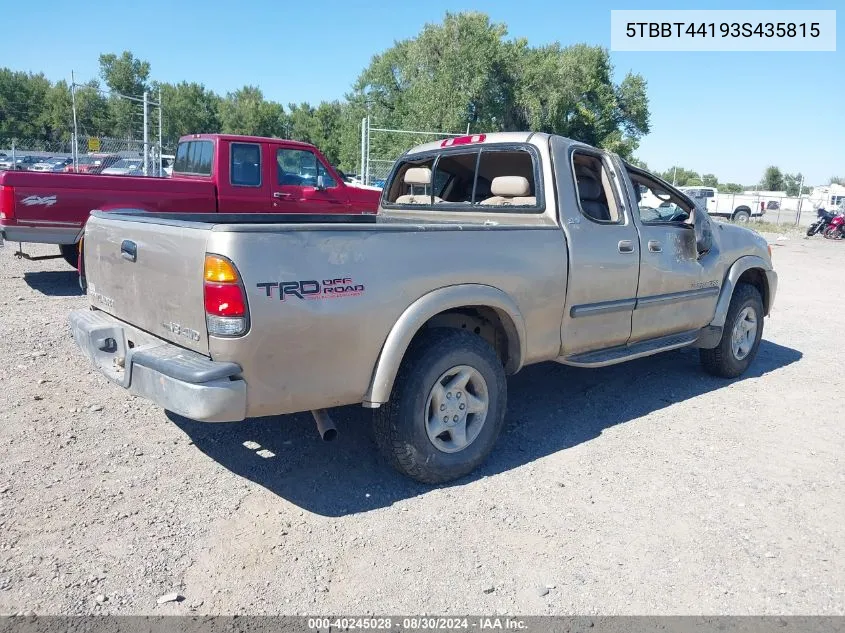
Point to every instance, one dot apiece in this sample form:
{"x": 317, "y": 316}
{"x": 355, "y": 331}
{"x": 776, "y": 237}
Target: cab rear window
{"x": 490, "y": 178}
{"x": 194, "y": 157}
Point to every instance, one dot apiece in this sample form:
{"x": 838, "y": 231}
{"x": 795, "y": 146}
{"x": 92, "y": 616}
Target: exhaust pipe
{"x": 325, "y": 426}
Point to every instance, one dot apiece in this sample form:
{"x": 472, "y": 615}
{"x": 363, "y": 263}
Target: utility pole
{"x": 800, "y": 200}
{"x": 146, "y": 136}
{"x": 74, "y": 147}
{"x": 674, "y": 171}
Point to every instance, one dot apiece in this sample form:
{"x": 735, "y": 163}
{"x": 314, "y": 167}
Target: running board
{"x": 35, "y": 258}
{"x": 613, "y": 355}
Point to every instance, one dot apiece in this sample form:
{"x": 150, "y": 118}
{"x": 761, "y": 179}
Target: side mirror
{"x": 321, "y": 183}
{"x": 703, "y": 230}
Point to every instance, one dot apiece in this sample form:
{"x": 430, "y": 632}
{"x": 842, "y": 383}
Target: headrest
{"x": 589, "y": 187}
{"x": 418, "y": 176}
{"x": 510, "y": 186}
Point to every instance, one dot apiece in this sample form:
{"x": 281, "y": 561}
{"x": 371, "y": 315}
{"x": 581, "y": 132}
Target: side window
{"x": 245, "y": 165}
{"x": 595, "y": 193}
{"x": 656, "y": 203}
{"x": 300, "y": 168}
{"x": 194, "y": 157}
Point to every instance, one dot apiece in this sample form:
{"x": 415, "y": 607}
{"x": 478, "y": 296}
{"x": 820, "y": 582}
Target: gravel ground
{"x": 642, "y": 488}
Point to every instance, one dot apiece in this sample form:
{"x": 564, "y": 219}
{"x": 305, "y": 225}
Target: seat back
{"x": 510, "y": 191}
{"x": 416, "y": 177}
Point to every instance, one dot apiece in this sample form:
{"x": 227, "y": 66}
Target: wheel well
{"x": 742, "y": 208}
{"x": 757, "y": 278}
{"x": 492, "y": 325}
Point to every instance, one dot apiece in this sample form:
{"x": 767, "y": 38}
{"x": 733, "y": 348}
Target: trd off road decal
{"x": 312, "y": 289}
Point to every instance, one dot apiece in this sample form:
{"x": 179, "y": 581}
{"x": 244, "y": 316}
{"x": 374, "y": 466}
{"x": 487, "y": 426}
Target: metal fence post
{"x": 146, "y": 136}
{"x": 14, "y": 162}
{"x": 363, "y": 146}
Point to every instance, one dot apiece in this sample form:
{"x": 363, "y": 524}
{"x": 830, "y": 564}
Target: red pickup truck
{"x": 212, "y": 172}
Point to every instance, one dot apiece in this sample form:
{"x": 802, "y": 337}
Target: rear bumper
{"x": 177, "y": 379}
{"x": 40, "y": 234}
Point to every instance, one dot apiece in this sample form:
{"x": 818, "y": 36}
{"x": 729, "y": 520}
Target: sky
{"x": 727, "y": 113}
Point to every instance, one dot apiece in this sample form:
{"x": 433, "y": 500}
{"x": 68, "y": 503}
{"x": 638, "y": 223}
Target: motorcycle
{"x": 835, "y": 230}
{"x": 822, "y": 223}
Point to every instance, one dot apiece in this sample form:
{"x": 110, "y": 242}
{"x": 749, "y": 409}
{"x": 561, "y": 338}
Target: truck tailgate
{"x": 160, "y": 289}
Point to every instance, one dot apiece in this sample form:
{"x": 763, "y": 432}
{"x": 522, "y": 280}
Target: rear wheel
{"x": 70, "y": 253}
{"x": 832, "y": 233}
{"x": 447, "y": 407}
{"x": 743, "y": 214}
{"x": 740, "y": 337}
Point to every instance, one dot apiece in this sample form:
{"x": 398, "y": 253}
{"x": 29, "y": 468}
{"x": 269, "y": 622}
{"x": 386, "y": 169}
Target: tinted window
{"x": 194, "y": 157}
{"x": 246, "y": 165}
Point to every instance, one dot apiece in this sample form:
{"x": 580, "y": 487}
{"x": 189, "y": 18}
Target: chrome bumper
{"x": 177, "y": 379}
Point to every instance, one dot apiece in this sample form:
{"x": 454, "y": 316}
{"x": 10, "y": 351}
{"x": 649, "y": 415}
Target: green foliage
{"x": 837, "y": 180}
{"x": 682, "y": 177}
{"x": 463, "y": 73}
{"x": 731, "y": 187}
{"x": 773, "y": 179}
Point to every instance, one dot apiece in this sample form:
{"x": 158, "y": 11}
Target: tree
{"x": 710, "y": 180}
{"x": 792, "y": 183}
{"x": 837, "y": 180}
{"x": 188, "y": 108}
{"x": 681, "y": 177}
{"x": 127, "y": 76}
{"x": 731, "y": 187}
{"x": 773, "y": 179}
{"x": 245, "y": 111}
{"x": 464, "y": 73}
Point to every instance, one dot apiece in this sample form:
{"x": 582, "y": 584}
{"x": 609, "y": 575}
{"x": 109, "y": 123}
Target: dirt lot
{"x": 642, "y": 488}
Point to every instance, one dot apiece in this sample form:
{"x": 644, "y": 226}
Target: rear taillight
{"x": 226, "y": 312}
{"x": 7, "y": 202}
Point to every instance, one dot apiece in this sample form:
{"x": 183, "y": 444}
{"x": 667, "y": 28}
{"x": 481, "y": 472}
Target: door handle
{"x": 281, "y": 195}
{"x": 129, "y": 250}
{"x": 654, "y": 246}
{"x": 626, "y": 246}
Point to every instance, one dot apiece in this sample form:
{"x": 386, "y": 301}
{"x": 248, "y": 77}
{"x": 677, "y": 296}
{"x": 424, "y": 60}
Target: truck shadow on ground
{"x": 54, "y": 283}
{"x": 552, "y": 407}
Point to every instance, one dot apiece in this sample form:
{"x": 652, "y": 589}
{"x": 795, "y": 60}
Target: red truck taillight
{"x": 7, "y": 202}
{"x": 226, "y": 312}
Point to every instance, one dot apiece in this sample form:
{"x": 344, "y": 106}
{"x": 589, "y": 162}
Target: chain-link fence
{"x": 380, "y": 147}
{"x": 90, "y": 155}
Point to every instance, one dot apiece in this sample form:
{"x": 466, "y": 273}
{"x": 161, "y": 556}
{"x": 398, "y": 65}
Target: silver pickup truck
{"x": 489, "y": 253}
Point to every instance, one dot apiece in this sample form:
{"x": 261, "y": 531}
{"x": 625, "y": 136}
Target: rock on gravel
{"x": 170, "y": 597}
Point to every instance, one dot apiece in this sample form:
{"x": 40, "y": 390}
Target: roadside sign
{"x": 93, "y": 145}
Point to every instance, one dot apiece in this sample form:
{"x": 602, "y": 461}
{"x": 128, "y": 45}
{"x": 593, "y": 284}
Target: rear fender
{"x": 418, "y": 313}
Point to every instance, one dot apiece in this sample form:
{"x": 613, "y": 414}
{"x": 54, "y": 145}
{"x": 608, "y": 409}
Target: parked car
{"x": 489, "y": 253}
{"x": 126, "y": 167}
{"x": 212, "y": 172}
{"x": 52, "y": 164}
{"x": 21, "y": 163}
{"x": 92, "y": 163}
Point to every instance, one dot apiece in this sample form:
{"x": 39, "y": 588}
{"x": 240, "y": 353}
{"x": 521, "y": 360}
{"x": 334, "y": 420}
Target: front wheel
{"x": 70, "y": 253}
{"x": 447, "y": 407}
{"x": 812, "y": 230}
{"x": 740, "y": 336}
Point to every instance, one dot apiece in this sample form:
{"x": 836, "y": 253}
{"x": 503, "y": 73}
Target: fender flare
{"x": 736, "y": 270}
{"x": 429, "y": 305}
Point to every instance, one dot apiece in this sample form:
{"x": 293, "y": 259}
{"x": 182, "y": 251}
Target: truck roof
{"x": 244, "y": 139}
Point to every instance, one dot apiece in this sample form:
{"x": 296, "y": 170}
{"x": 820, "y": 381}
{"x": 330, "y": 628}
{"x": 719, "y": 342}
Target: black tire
{"x": 399, "y": 426}
{"x": 812, "y": 230}
{"x": 721, "y": 360}
{"x": 743, "y": 214}
{"x": 70, "y": 253}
